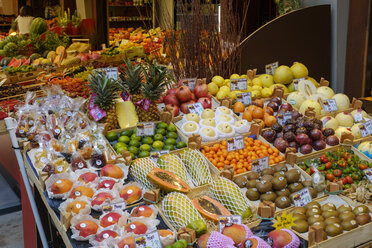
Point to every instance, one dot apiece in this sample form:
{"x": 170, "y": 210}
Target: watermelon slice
{"x": 23, "y": 60}
{"x": 10, "y": 64}
{"x": 16, "y": 63}
{"x": 27, "y": 62}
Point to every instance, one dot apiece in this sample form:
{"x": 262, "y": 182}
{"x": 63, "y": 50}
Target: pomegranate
{"x": 201, "y": 90}
{"x": 183, "y": 93}
{"x": 171, "y": 92}
{"x": 206, "y": 102}
{"x": 171, "y": 99}
{"x": 184, "y": 107}
{"x": 174, "y": 108}
{"x": 193, "y": 97}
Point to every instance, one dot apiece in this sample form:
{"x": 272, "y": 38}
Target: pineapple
{"x": 106, "y": 92}
{"x": 132, "y": 78}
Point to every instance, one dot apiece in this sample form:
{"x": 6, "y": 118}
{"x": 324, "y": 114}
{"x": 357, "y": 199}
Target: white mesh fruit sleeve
{"x": 179, "y": 210}
{"x": 174, "y": 164}
{"x": 140, "y": 168}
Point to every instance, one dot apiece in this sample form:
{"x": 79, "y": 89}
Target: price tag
{"x": 259, "y": 164}
{"x": 270, "y": 68}
{"x": 238, "y": 84}
{"x": 329, "y": 105}
{"x": 284, "y": 221}
{"x": 145, "y": 129}
{"x": 228, "y": 220}
{"x": 358, "y": 117}
{"x": 366, "y": 128}
{"x": 196, "y": 108}
{"x": 292, "y": 102}
{"x": 97, "y": 113}
{"x": 245, "y": 98}
{"x": 111, "y": 72}
{"x": 114, "y": 206}
{"x": 368, "y": 173}
{"x": 296, "y": 81}
{"x": 155, "y": 155}
{"x": 125, "y": 96}
{"x": 236, "y": 143}
{"x": 283, "y": 117}
{"x": 302, "y": 197}
{"x": 148, "y": 240}
{"x": 189, "y": 82}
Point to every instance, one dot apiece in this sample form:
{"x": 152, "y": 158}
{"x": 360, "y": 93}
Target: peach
{"x": 131, "y": 194}
{"x": 61, "y": 186}
{"x": 106, "y": 184}
{"x": 143, "y": 210}
{"x": 202, "y": 240}
{"x": 106, "y": 234}
{"x": 87, "y": 177}
{"x": 86, "y": 228}
{"x": 280, "y": 238}
{"x": 127, "y": 242}
{"x": 109, "y": 219}
{"x": 80, "y": 191}
{"x": 111, "y": 170}
{"x": 75, "y": 206}
{"x": 136, "y": 227}
{"x": 101, "y": 197}
{"x": 235, "y": 232}
{"x": 165, "y": 232}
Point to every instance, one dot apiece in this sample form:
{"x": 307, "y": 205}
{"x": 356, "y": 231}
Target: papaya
{"x": 168, "y": 181}
{"x": 209, "y": 208}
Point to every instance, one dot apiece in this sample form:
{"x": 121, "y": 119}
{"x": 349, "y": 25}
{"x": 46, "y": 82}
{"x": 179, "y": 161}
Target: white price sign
{"x": 245, "y": 98}
{"x": 111, "y": 72}
{"x": 283, "y": 117}
{"x": 329, "y": 105}
{"x": 366, "y": 128}
{"x": 228, "y": 220}
{"x": 145, "y": 129}
{"x": 236, "y": 143}
{"x": 302, "y": 197}
{"x": 148, "y": 240}
{"x": 115, "y": 206}
{"x": 296, "y": 81}
{"x": 358, "y": 117}
{"x": 259, "y": 164}
{"x": 155, "y": 155}
{"x": 238, "y": 84}
{"x": 270, "y": 68}
{"x": 196, "y": 108}
{"x": 368, "y": 173}
{"x": 189, "y": 82}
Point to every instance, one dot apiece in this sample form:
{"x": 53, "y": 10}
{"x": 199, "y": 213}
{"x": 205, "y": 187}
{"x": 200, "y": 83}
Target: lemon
{"x": 221, "y": 94}
{"x": 283, "y": 75}
{"x": 249, "y": 82}
{"x": 249, "y": 89}
{"x": 291, "y": 87}
{"x": 256, "y": 94}
{"x": 145, "y": 147}
{"x": 257, "y": 81}
{"x": 225, "y": 89}
{"x": 313, "y": 81}
{"x": 267, "y": 80}
{"x": 244, "y": 76}
{"x": 213, "y": 88}
{"x": 232, "y": 94}
{"x": 227, "y": 82}
{"x": 299, "y": 70}
{"x": 234, "y": 76}
{"x": 218, "y": 80}
{"x": 256, "y": 87}
{"x": 266, "y": 92}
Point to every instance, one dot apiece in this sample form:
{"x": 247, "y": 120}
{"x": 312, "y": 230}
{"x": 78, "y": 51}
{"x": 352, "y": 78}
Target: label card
{"x": 148, "y": 240}
{"x": 196, "y": 108}
{"x": 283, "y": 117}
{"x": 259, "y": 164}
{"x": 270, "y": 68}
{"x": 358, "y": 116}
{"x": 114, "y": 206}
{"x": 245, "y": 98}
{"x": 125, "y": 96}
{"x": 145, "y": 129}
{"x": 238, "y": 84}
{"x": 302, "y": 197}
{"x": 111, "y": 72}
{"x": 227, "y": 220}
{"x": 329, "y": 105}
{"x": 366, "y": 128}
{"x": 189, "y": 82}
{"x": 236, "y": 143}
{"x": 368, "y": 173}
{"x": 155, "y": 155}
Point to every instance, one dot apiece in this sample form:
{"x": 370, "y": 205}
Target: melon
{"x": 283, "y": 75}
{"x": 342, "y": 101}
{"x": 299, "y": 70}
{"x": 2, "y": 53}
{"x": 51, "y": 55}
{"x": 210, "y": 208}
{"x": 168, "y": 181}
{"x": 11, "y": 48}
{"x": 2, "y": 44}
{"x": 11, "y": 38}
{"x": 38, "y": 26}
{"x": 34, "y": 56}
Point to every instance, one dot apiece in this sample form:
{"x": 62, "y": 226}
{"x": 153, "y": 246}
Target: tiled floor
{"x": 11, "y": 230}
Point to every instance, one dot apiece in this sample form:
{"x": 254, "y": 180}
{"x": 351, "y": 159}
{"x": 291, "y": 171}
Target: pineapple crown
{"x": 132, "y": 77}
{"x": 105, "y": 89}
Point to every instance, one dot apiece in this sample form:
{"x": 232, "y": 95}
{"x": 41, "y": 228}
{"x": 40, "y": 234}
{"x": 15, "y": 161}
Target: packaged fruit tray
{"x": 166, "y": 137}
{"x": 349, "y": 225}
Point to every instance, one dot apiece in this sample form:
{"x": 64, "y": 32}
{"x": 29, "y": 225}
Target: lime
{"x": 147, "y": 140}
{"x": 162, "y": 125}
{"x": 181, "y": 144}
{"x": 170, "y": 141}
{"x": 171, "y": 128}
{"x": 169, "y": 246}
{"x": 134, "y": 143}
{"x": 119, "y": 144}
{"x": 156, "y": 149}
{"x": 172, "y": 135}
{"x": 158, "y": 144}
{"x": 145, "y": 147}
{"x": 121, "y": 149}
{"x": 135, "y": 137}
{"x": 111, "y": 136}
{"x": 169, "y": 147}
{"x": 132, "y": 155}
{"x": 133, "y": 150}
{"x": 161, "y": 131}
{"x": 124, "y": 139}
{"x": 178, "y": 245}
{"x": 183, "y": 242}
{"x": 158, "y": 136}
{"x": 144, "y": 154}
{"x": 126, "y": 133}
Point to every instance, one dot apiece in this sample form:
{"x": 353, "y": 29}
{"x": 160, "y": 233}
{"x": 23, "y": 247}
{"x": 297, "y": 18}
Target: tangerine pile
{"x": 242, "y": 159}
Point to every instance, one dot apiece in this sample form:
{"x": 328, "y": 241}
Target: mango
{"x": 203, "y": 240}
{"x": 131, "y": 194}
{"x": 80, "y": 191}
{"x": 61, "y": 186}
{"x": 87, "y": 177}
{"x": 136, "y": 227}
{"x": 86, "y": 228}
{"x": 110, "y": 219}
{"x": 127, "y": 242}
{"x": 111, "y": 170}
{"x": 236, "y": 232}
{"x": 106, "y": 234}
{"x": 101, "y": 197}
{"x": 143, "y": 210}
{"x": 165, "y": 232}
{"x": 75, "y": 206}
{"x": 106, "y": 184}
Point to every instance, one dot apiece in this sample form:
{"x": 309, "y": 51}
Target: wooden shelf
{"x": 137, "y": 20}
{"x": 129, "y": 6}
{"x": 5, "y": 25}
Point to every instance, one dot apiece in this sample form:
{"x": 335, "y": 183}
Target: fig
{"x": 293, "y": 144}
{"x": 305, "y": 149}
{"x": 296, "y": 115}
{"x": 273, "y": 105}
{"x": 279, "y": 135}
{"x": 289, "y": 128}
{"x": 277, "y": 100}
{"x": 281, "y": 144}
{"x": 286, "y": 106}
{"x": 289, "y": 136}
{"x": 328, "y": 132}
{"x": 309, "y": 125}
{"x": 277, "y": 127}
{"x": 315, "y": 134}
{"x": 319, "y": 145}
{"x": 302, "y": 139}
{"x": 301, "y": 130}
{"x": 269, "y": 135}
{"x": 332, "y": 140}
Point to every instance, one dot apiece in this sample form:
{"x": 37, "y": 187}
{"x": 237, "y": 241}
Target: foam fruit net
{"x": 179, "y": 210}
{"x": 174, "y": 164}
{"x": 140, "y": 168}
{"x": 197, "y": 165}
{"x": 218, "y": 240}
{"x": 229, "y": 194}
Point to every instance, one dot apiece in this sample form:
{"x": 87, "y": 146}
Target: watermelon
{"x": 2, "y": 53}
{"x": 19, "y": 56}
{"x": 27, "y": 62}
{"x": 45, "y": 54}
{"x": 2, "y": 44}
{"x": 38, "y": 26}
{"x": 15, "y": 63}
{"x": 34, "y": 56}
{"x": 11, "y": 38}
{"x": 11, "y": 48}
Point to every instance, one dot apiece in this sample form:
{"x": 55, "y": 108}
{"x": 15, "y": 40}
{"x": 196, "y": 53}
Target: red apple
{"x": 184, "y": 107}
{"x": 183, "y": 93}
{"x": 171, "y": 99}
{"x": 174, "y": 108}
{"x": 201, "y": 90}
{"x": 206, "y": 102}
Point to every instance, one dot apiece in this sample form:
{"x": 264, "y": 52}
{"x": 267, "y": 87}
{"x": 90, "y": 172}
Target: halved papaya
{"x": 168, "y": 181}
{"x": 209, "y": 208}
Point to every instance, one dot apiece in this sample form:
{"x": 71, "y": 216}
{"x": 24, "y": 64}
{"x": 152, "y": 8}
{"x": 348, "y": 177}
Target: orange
{"x": 258, "y": 113}
{"x": 238, "y": 107}
{"x": 247, "y": 115}
{"x": 269, "y": 120}
{"x": 251, "y": 108}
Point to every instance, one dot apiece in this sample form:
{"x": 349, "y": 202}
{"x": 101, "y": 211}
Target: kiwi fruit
{"x": 363, "y": 218}
{"x": 293, "y": 175}
{"x": 252, "y": 194}
{"x": 348, "y": 225}
{"x": 319, "y": 224}
{"x": 299, "y": 216}
{"x": 313, "y": 211}
{"x": 333, "y": 229}
{"x": 267, "y": 171}
{"x": 313, "y": 192}
{"x": 241, "y": 182}
{"x": 268, "y": 178}
{"x": 252, "y": 183}
{"x": 253, "y": 175}
{"x": 361, "y": 209}
{"x": 279, "y": 174}
{"x": 328, "y": 206}
{"x": 344, "y": 208}
{"x": 315, "y": 218}
{"x": 264, "y": 186}
{"x": 279, "y": 183}
{"x": 280, "y": 167}
{"x": 268, "y": 196}
{"x": 332, "y": 220}
{"x": 294, "y": 187}
{"x": 282, "y": 202}
{"x": 307, "y": 183}
{"x": 345, "y": 216}
{"x": 301, "y": 226}
{"x": 300, "y": 210}
{"x": 312, "y": 204}
{"x": 329, "y": 213}
{"x": 283, "y": 192}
